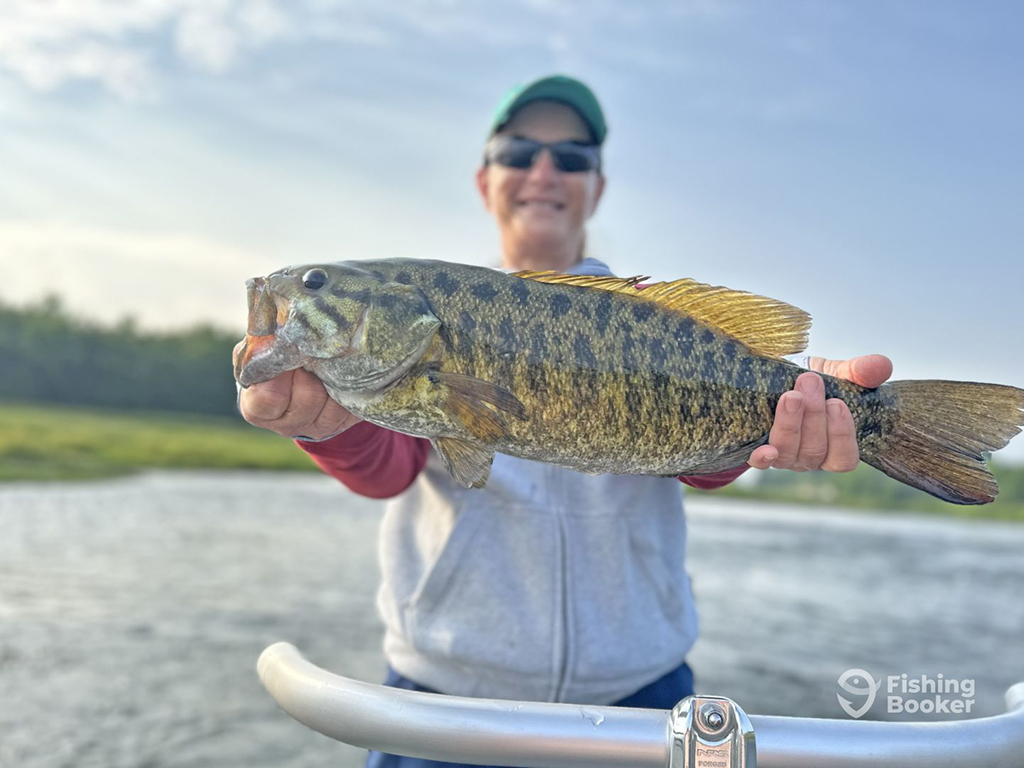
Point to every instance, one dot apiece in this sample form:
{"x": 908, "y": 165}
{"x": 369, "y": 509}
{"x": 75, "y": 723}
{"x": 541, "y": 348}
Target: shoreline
{"x": 49, "y": 443}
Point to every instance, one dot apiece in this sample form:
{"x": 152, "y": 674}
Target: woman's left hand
{"x": 813, "y": 433}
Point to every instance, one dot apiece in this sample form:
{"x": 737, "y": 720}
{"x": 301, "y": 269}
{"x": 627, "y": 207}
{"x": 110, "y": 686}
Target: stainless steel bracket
{"x": 711, "y": 732}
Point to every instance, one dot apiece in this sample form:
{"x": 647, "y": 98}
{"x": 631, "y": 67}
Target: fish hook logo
{"x": 850, "y": 681}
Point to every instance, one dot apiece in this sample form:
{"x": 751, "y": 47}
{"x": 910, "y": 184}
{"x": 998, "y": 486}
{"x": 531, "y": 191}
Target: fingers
{"x": 843, "y": 454}
{"x": 264, "y": 403}
{"x": 808, "y": 433}
{"x": 332, "y": 420}
{"x": 799, "y": 433}
{"x": 784, "y": 437}
{"x": 763, "y": 457}
{"x": 292, "y": 404}
{"x": 866, "y": 370}
{"x": 870, "y": 370}
{"x": 813, "y": 446}
{"x": 308, "y": 398}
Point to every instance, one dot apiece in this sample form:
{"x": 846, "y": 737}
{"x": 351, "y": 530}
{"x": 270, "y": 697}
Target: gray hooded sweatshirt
{"x": 546, "y": 585}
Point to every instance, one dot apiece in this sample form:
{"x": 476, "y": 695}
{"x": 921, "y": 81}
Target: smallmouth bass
{"x": 594, "y": 374}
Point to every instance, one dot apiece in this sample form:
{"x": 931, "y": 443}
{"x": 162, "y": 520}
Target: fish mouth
{"x": 260, "y": 357}
{"x": 262, "y": 308}
{"x": 247, "y": 362}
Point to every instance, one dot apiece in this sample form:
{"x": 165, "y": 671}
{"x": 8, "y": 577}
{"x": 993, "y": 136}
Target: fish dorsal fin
{"x": 603, "y": 283}
{"x": 766, "y": 326}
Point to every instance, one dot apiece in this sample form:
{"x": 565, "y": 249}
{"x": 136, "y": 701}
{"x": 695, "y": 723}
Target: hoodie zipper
{"x": 563, "y": 583}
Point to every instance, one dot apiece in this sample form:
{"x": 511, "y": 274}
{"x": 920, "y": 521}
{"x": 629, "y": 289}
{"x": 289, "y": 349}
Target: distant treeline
{"x": 868, "y": 488}
{"x": 48, "y": 355}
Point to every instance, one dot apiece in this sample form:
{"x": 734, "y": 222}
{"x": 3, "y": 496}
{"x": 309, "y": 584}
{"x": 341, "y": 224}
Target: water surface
{"x": 132, "y": 611}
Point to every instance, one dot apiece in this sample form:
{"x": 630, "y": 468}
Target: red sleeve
{"x": 370, "y": 460}
{"x": 718, "y": 480}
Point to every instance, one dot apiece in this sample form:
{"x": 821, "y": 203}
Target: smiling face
{"x": 541, "y": 211}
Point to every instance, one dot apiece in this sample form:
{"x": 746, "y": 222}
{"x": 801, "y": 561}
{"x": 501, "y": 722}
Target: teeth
{"x": 542, "y": 203}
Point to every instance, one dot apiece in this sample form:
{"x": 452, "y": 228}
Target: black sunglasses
{"x": 517, "y": 152}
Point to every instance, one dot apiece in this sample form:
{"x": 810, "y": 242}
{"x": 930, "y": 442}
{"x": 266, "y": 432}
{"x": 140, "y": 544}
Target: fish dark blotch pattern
{"x": 538, "y": 351}
{"x": 520, "y": 290}
{"x": 386, "y": 301}
{"x": 779, "y": 379}
{"x": 708, "y": 365}
{"x": 659, "y": 355}
{"x": 583, "y": 354}
{"x": 642, "y": 310}
{"x": 745, "y": 378}
{"x": 684, "y": 337}
{"x": 447, "y": 339}
{"x": 360, "y": 295}
{"x": 629, "y": 360}
{"x": 331, "y": 312}
{"x": 447, "y": 284}
{"x": 603, "y": 312}
{"x": 560, "y": 304}
{"x": 507, "y": 334}
{"x": 484, "y": 291}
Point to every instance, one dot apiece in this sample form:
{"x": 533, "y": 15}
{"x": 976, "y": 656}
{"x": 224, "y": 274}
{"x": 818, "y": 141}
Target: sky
{"x": 861, "y": 160}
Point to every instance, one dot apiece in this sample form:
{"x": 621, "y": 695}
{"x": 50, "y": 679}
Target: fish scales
{"x": 601, "y": 373}
{"x": 594, "y": 373}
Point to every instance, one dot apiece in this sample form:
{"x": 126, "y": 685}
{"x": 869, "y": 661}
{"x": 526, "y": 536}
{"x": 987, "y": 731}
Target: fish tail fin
{"x": 937, "y": 438}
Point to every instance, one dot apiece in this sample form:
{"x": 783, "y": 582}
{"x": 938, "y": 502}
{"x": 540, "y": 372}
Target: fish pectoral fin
{"x": 767, "y": 326}
{"x": 479, "y": 405}
{"x": 468, "y": 463}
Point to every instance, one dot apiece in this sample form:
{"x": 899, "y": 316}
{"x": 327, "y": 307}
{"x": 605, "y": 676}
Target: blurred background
{"x": 861, "y": 160}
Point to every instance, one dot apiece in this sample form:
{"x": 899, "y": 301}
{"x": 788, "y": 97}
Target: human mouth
{"x": 551, "y": 205}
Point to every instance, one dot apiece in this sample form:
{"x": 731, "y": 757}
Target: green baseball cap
{"x": 566, "y": 90}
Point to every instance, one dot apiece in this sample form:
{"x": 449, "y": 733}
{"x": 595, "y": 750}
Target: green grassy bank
{"x": 58, "y": 442}
{"x": 868, "y": 489}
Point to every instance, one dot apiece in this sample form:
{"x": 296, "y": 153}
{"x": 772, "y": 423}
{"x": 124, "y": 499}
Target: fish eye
{"x": 314, "y": 279}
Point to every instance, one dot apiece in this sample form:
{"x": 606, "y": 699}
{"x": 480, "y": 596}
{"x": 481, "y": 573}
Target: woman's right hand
{"x": 294, "y": 404}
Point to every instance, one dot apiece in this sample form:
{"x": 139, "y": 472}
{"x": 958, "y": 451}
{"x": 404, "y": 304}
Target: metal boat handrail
{"x": 543, "y": 735}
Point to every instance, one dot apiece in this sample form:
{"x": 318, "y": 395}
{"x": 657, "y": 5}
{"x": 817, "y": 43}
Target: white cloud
{"x": 164, "y": 280}
{"x": 49, "y": 44}
{"x": 117, "y": 43}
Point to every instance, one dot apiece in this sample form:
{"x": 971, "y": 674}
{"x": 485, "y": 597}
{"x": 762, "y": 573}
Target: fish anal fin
{"x": 468, "y": 463}
{"x": 767, "y": 326}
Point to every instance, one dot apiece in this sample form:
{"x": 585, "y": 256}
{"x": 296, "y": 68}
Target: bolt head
{"x": 712, "y": 716}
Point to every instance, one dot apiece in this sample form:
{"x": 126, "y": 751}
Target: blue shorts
{"x": 663, "y": 693}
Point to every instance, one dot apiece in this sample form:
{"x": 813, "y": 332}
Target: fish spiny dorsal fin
{"x": 587, "y": 281}
{"x": 767, "y": 326}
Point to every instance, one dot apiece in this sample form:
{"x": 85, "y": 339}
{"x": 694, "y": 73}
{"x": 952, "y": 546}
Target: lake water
{"x": 132, "y": 611}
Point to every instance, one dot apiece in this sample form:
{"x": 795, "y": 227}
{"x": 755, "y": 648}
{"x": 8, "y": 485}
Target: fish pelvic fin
{"x": 468, "y": 463}
{"x": 767, "y": 326}
{"x": 940, "y": 433}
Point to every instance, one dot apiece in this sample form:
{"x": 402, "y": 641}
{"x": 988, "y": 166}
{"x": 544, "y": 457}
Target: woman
{"x": 547, "y": 584}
